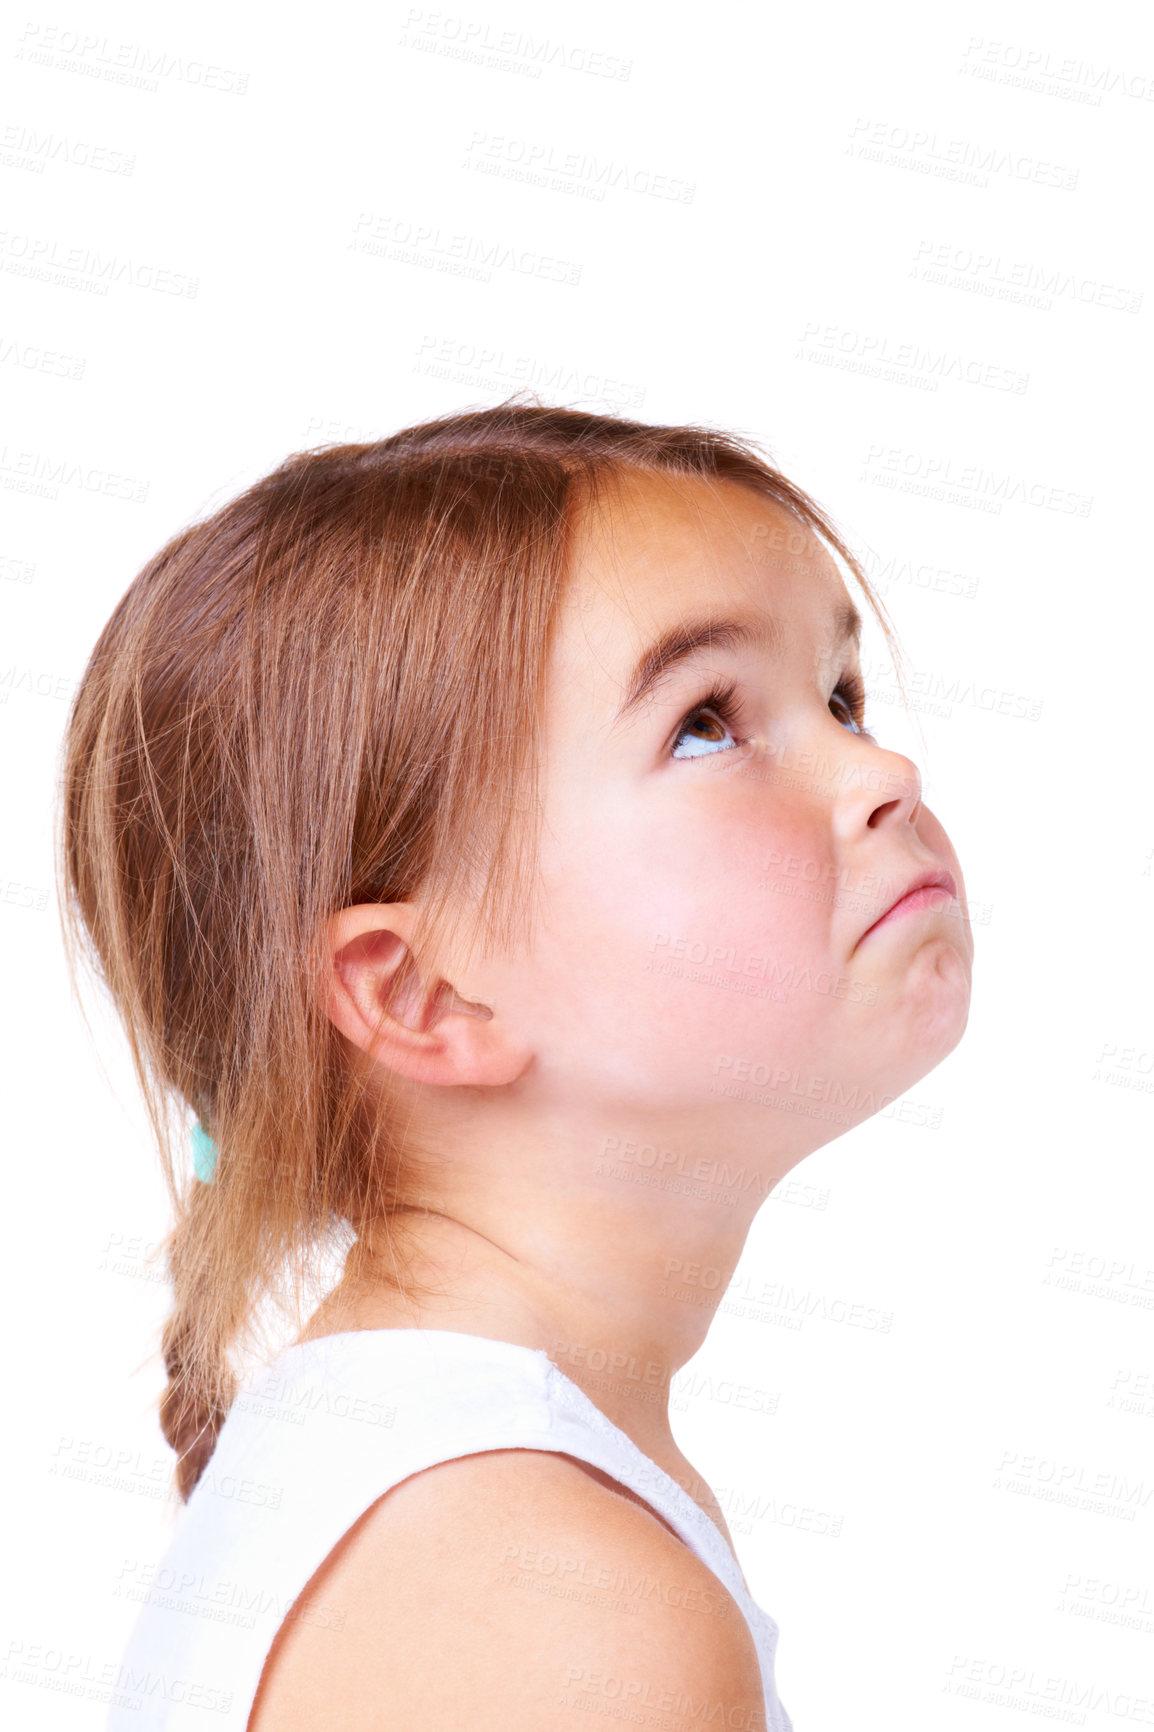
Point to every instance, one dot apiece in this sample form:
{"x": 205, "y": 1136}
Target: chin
{"x": 914, "y": 1025}
{"x": 939, "y": 999}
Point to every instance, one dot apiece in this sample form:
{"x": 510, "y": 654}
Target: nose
{"x": 874, "y": 787}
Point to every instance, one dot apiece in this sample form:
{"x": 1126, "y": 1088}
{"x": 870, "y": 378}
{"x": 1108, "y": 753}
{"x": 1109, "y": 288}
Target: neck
{"x": 618, "y": 1292}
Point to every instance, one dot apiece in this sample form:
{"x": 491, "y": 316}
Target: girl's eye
{"x": 708, "y": 728}
{"x": 705, "y": 728}
{"x": 849, "y": 698}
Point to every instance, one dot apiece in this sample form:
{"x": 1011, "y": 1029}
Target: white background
{"x": 850, "y": 234}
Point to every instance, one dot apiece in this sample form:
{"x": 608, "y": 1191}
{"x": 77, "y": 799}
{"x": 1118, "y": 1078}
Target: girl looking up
{"x": 450, "y": 819}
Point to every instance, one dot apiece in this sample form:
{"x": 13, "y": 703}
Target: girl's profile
{"x": 446, "y": 817}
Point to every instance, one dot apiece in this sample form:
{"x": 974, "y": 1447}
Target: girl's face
{"x": 701, "y": 962}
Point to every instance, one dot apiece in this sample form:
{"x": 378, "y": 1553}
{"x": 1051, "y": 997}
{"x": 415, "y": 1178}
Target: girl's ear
{"x": 421, "y": 1029}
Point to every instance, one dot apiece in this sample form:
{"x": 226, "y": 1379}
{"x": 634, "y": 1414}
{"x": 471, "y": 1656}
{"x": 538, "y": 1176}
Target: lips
{"x": 936, "y": 879}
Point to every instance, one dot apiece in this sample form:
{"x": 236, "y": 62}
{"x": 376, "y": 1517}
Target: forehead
{"x": 655, "y": 549}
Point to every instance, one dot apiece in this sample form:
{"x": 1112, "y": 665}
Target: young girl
{"x": 477, "y": 832}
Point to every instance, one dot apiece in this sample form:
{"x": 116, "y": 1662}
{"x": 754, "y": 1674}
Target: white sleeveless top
{"x": 314, "y": 1438}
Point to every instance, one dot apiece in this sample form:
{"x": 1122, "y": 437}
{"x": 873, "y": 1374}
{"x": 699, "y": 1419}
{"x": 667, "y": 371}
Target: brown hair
{"x": 279, "y": 720}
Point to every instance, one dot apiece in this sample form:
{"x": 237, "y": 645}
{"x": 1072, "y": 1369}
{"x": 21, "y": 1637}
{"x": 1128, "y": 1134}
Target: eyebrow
{"x": 719, "y": 632}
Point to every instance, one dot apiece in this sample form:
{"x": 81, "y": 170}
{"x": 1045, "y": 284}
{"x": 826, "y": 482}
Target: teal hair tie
{"x": 204, "y": 1152}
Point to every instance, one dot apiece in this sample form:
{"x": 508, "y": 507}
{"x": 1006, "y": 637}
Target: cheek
{"x": 736, "y": 874}
{"x": 694, "y": 938}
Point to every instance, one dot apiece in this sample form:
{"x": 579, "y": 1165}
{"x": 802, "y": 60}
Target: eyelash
{"x": 726, "y": 705}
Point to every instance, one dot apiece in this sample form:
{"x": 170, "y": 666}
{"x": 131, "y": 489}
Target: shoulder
{"x": 504, "y": 1590}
